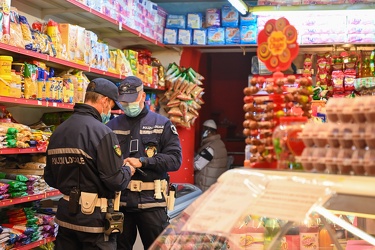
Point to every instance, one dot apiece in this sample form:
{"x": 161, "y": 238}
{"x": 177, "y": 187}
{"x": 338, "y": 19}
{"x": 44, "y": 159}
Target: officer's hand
{"x": 134, "y": 162}
{"x": 132, "y": 169}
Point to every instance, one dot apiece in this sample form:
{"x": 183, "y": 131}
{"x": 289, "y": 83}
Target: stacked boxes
{"x": 214, "y": 27}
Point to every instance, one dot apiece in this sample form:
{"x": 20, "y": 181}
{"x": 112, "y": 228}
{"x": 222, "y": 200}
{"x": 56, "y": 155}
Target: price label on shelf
{"x": 40, "y": 103}
{"x": 120, "y": 25}
{"x": 54, "y": 104}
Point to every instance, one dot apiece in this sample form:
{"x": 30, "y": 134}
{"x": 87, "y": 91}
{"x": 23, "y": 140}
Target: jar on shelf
{"x": 287, "y": 143}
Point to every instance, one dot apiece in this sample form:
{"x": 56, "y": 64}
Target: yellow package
{"x": 53, "y": 89}
{"x": 112, "y": 61}
{"x": 80, "y": 87}
{"x": 41, "y": 94}
{"x": 69, "y": 39}
{"x": 4, "y": 87}
{"x": 122, "y": 64}
{"x": 59, "y": 89}
{"x": 30, "y": 88}
{"x": 68, "y": 89}
{"x": 55, "y": 35}
{"x": 49, "y": 89}
{"x": 16, "y": 38}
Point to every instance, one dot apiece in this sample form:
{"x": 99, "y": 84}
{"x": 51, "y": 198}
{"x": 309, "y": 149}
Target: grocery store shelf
{"x": 12, "y": 101}
{"x": 35, "y": 244}
{"x": 243, "y": 48}
{"x": 10, "y": 151}
{"x": 74, "y": 12}
{"x": 29, "y": 198}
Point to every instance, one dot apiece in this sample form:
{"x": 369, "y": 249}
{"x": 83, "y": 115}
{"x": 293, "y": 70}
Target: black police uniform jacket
{"x": 153, "y": 136}
{"x": 84, "y": 153}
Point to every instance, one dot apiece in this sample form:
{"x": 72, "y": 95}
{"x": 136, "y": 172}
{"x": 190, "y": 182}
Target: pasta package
{"x": 26, "y": 33}
{"x": 16, "y": 38}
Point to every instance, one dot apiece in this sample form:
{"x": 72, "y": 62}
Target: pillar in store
{"x": 189, "y": 58}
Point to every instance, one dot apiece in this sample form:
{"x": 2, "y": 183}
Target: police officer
{"x": 84, "y": 157}
{"x": 149, "y": 142}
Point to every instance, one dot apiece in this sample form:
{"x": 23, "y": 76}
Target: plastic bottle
{"x": 272, "y": 228}
{"x": 287, "y": 143}
{"x": 325, "y": 241}
{"x": 309, "y": 234}
{"x": 248, "y": 234}
{"x": 292, "y": 239}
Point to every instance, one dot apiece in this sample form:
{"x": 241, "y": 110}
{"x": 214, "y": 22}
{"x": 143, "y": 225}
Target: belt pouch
{"x": 88, "y": 202}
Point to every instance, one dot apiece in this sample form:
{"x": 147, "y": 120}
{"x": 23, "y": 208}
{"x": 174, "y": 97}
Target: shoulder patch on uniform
{"x": 174, "y": 129}
{"x": 117, "y": 149}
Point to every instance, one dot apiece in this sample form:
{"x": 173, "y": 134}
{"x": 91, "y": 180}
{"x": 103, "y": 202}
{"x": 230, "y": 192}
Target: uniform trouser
{"x": 150, "y": 223}
{"x": 68, "y": 239}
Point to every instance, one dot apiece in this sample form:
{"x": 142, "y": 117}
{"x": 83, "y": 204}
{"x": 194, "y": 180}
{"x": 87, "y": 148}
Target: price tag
{"x": 54, "y": 104}
{"x": 40, "y": 103}
{"x": 120, "y": 25}
{"x": 290, "y": 200}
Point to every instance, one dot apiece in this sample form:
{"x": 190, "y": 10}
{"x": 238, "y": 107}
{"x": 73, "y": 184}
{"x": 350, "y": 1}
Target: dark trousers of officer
{"x": 68, "y": 239}
{"x": 150, "y": 223}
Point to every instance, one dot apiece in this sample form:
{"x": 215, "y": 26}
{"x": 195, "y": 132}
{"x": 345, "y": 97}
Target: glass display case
{"x": 260, "y": 209}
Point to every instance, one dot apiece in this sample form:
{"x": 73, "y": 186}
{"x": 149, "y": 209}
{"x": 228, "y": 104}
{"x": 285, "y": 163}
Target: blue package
{"x": 200, "y": 37}
{"x": 170, "y": 36}
{"x": 215, "y": 36}
{"x": 184, "y": 36}
{"x": 248, "y": 19}
{"x": 229, "y": 16}
{"x": 249, "y": 34}
{"x": 194, "y": 20}
{"x": 213, "y": 18}
{"x": 176, "y": 21}
{"x": 232, "y": 35}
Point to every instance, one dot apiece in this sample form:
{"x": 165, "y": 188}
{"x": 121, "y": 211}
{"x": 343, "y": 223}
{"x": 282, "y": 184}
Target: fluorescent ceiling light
{"x": 240, "y": 6}
{"x": 323, "y": 9}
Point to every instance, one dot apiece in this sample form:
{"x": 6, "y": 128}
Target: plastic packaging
{"x": 287, "y": 143}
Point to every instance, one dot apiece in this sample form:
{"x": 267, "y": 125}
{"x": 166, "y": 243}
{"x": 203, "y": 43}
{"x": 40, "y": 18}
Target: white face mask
{"x": 205, "y": 133}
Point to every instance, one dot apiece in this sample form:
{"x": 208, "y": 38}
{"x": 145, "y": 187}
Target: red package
{"x": 338, "y": 81}
{"x": 350, "y": 76}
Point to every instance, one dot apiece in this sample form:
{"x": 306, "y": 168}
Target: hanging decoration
{"x": 278, "y": 45}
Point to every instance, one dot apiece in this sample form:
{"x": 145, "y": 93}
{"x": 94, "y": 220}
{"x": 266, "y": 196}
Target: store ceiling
{"x": 183, "y": 6}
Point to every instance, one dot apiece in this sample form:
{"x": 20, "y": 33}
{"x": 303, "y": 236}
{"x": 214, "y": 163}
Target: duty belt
{"x": 138, "y": 186}
{"x": 101, "y": 202}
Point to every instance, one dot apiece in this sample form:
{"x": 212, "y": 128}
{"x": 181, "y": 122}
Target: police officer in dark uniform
{"x": 84, "y": 162}
{"x": 149, "y": 142}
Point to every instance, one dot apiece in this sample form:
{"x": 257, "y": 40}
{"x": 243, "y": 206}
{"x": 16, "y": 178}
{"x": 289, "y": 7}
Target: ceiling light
{"x": 323, "y": 9}
{"x": 240, "y": 6}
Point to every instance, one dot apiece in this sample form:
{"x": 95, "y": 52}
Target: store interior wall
{"x": 226, "y": 77}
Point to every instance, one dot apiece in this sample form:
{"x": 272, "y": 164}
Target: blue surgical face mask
{"x": 132, "y": 109}
{"x": 106, "y": 117}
